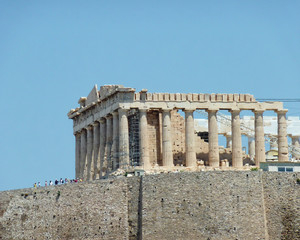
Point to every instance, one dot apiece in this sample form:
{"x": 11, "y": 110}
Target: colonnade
{"x": 104, "y": 145}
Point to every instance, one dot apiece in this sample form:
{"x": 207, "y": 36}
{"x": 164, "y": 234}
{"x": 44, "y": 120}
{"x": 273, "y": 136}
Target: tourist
{"x": 56, "y": 182}
{"x": 34, "y": 185}
{"x": 46, "y": 183}
{"x": 39, "y": 184}
{"x": 50, "y": 183}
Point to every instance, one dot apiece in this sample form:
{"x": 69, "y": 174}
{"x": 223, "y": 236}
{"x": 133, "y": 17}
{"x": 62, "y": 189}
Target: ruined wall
{"x": 199, "y": 205}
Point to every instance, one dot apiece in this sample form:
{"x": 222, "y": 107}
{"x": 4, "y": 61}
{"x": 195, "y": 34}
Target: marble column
{"x": 123, "y": 139}
{"x": 190, "y": 154}
{"x": 213, "y": 144}
{"x": 228, "y": 140}
{"x": 90, "y": 155}
{"x": 83, "y": 151}
{"x": 260, "y": 152}
{"x": 96, "y": 148}
{"x": 167, "y": 153}
{"x": 115, "y": 142}
{"x": 102, "y": 139}
{"x": 237, "y": 157}
{"x": 296, "y": 147}
{"x": 251, "y": 147}
{"x": 282, "y": 136}
{"x": 77, "y": 154}
{"x": 144, "y": 147}
{"x": 109, "y": 138}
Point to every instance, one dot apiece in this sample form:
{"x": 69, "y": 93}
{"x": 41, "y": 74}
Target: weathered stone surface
{"x": 282, "y": 204}
{"x": 95, "y": 210}
{"x": 199, "y": 205}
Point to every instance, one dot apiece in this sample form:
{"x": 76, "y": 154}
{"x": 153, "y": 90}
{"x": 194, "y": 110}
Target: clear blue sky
{"x": 53, "y": 52}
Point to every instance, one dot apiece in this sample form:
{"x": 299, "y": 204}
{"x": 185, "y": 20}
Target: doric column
{"x": 213, "y": 155}
{"x": 90, "y": 155}
{"x": 123, "y": 138}
{"x": 260, "y": 152}
{"x": 96, "y": 148}
{"x": 228, "y": 140}
{"x": 109, "y": 138}
{"x": 103, "y": 164}
{"x": 282, "y": 136}
{"x": 144, "y": 148}
{"x": 82, "y": 152}
{"x": 251, "y": 147}
{"x": 167, "y": 154}
{"x": 296, "y": 147}
{"x": 115, "y": 143}
{"x": 237, "y": 160}
{"x": 190, "y": 154}
{"x": 77, "y": 154}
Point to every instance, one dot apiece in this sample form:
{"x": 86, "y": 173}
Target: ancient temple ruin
{"x": 117, "y": 127}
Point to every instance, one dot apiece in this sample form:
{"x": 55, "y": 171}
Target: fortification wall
{"x": 97, "y": 210}
{"x": 206, "y": 205}
{"x": 198, "y": 205}
{"x": 282, "y": 201}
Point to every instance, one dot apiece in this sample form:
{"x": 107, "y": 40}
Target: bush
{"x": 254, "y": 169}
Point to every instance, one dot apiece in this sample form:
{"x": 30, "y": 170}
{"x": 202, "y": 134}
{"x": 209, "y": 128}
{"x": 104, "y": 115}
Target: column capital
{"x": 89, "y": 127}
{"x": 281, "y": 111}
{"x": 95, "y": 124}
{"x": 259, "y": 111}
{"x": 167, "y": 109}
{"x": 82, "y": 130}
{"x": 115, "y": 113}
{"x": 102, "y": 120}
{"x": 123, "y": 110}
{"x": 189, "y": 109}
{"x": 235, "y": 110}
{"x": 77, "y": 132}
{"x": 108, "y": 116}
{"x": 212, "y": 110}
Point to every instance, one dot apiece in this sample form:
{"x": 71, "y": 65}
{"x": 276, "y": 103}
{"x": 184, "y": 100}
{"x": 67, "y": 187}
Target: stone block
{"x": 172, "y": 96}
{"x": 248, "y": 98}
{"x": 219, "y": 97}
{"x": 149, "y": 96}
{"x": 189, "y": 97}
{"x": 167, "y": 96}
{"x": 206, "y": 97}
{"x": 230, "y": 97}
{"x": 137, "y": 96}
{"x": 195, "y": 97}
{"x": 160, "y": 97}
{"x": 236, "y": 97}
{"x": 178, "y": 97}
{"x": 201, "y": 97}
{"x": 213, "y": 97}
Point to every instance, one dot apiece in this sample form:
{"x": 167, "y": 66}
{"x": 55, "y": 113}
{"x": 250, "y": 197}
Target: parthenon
{"x": 118, "y": 128}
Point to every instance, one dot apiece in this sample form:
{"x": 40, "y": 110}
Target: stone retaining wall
{"x": 199, "y": 205}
